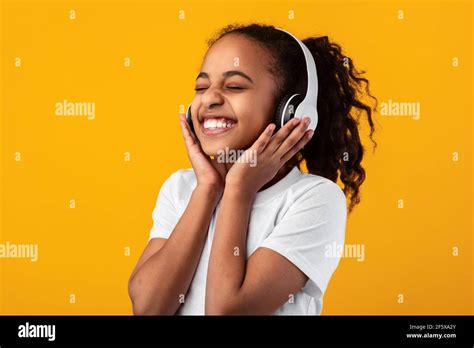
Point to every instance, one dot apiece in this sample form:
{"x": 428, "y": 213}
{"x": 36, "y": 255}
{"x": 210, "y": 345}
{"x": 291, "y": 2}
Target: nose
{"x": 211, "y": 97}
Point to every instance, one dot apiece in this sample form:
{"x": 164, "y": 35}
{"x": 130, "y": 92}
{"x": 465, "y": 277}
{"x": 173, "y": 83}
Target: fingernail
{"x": 307, "y": 120}
{"x": 310, "y": 134}
{"x": 296, "y": 120}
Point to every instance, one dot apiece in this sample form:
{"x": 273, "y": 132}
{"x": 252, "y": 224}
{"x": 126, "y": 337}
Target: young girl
{"x": 255, "y": 238}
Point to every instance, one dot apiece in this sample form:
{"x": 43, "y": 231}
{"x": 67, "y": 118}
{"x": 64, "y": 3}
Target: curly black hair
{"x": 336, "y": 149}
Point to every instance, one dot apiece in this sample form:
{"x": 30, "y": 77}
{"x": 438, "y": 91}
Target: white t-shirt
{"x": 301, "y": 217}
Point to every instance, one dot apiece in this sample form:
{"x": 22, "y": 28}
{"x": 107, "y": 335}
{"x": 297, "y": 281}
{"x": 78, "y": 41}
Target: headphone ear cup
{"x": 189, "y": 118}
{"x": 279, "y": 111}
{"x": 286, "y": 109}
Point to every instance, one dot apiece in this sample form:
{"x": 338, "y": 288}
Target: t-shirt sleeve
{"x": 312, "y": 226}
{"x": 165, "y": 214}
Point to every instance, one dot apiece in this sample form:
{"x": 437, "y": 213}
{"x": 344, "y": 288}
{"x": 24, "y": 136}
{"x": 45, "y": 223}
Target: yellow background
{"x": 408, "y": 251}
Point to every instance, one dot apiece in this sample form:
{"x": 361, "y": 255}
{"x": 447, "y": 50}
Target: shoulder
{"x": 180, "y": 183}
{"x": 320, "y": 190}
{"x": 182, "y": 176}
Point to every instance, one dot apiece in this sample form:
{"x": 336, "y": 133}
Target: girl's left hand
{"x": 271, "y": 153}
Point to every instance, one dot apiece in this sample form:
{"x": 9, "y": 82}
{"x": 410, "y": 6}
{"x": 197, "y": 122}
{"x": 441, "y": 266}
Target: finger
{"x": 193, "y": 134}
{"x": 299, "y": 145}
{"x": 264, "y": 138}
{"x": 188, "y": 127}
{"x": 188, "y": 139}
{"x": 184, "y": 130}
{"x": 293, "y": 138}
{"x": 281, "y": 135}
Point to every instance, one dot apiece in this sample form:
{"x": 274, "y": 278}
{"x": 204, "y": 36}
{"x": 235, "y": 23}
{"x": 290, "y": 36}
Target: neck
{"x": 282, "y": 172}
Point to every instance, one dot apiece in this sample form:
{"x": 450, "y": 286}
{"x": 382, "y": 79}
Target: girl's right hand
{"x": 209, "y": 173}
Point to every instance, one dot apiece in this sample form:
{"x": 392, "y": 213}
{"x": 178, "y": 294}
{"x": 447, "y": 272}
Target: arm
{"x": 165, "y": 270}
{"x": 237, "y": 286}
{"x": 264, "y": 282}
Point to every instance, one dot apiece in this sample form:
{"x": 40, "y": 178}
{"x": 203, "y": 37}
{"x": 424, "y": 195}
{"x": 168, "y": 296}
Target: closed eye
{"x": 230, "y": 87}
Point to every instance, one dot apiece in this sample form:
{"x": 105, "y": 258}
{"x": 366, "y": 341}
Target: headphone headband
{"x": 308, "y": 107}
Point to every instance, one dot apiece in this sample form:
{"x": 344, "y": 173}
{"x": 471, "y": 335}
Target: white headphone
{"x": 294, "y": 105}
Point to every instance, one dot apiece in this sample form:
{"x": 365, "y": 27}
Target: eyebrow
{"x": 229, "y": 73}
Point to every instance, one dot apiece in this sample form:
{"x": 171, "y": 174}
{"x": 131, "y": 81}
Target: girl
{"x": 235, "y": 238}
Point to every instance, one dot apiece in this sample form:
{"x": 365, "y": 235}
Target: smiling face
{"x": 235, "y": 94}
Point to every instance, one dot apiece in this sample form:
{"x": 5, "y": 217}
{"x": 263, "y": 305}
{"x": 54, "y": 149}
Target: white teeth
{"x": 213, "y": 123}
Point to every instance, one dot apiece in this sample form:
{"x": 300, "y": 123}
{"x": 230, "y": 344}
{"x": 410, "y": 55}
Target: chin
{"x": 213, "y": 146}
{"x": 214, "y": 149}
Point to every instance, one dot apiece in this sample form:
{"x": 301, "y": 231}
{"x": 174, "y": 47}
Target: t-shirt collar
{"x": 280, "y": 186}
